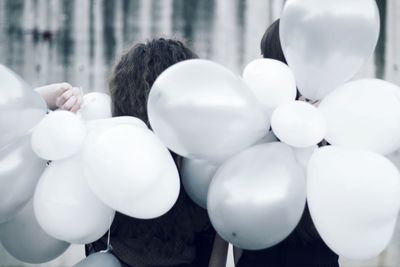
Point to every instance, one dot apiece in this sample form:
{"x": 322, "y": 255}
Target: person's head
{"x": 136, "y": 71}
{"x": 271, "y": 43}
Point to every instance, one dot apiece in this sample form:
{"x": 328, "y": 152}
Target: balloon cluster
{"x": 254, "y": 186}
{"x": 98, "y": 165}
{"x": 250, "y": 149}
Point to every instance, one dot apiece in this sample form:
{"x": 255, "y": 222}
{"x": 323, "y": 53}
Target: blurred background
{"x": 48, "y": 41}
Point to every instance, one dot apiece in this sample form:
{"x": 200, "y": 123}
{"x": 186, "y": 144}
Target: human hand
{"x": 62, "y": 96}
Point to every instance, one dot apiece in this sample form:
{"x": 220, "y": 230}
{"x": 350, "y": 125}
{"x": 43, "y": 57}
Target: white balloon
{"x": 96, "y": 106}
{"x": 21, "y": 108}
{"x": 66, "y": 208}
{"x": 20, "y": 170}
{"x": 196, "y": 177}
{"x": 354, "y": 200}
{"x": 124, "y": 164}
{"x": 99, "y": 259}
{"x": 298, "y": 124}
{"x": 58, "y": 136}
{"x": 326, "y": 42}
{"x": 202, "y": 110}
{"x": 26, "y": 241}
{"x": 110, "y": 122}
{"x": 271, "y": 81}
{"x": 364, "y": 114}
{"x": 159, "y": 199}
{"x": 257, "y": 197}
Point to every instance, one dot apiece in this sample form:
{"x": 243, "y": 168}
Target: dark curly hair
{"x": 169, "y": 238}
{"x": 137, "y": 70}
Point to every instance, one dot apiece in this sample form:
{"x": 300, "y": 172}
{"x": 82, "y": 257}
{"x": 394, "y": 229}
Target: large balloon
{"x": 257, "y": 197}
{"x": 354, "y": 199}
{"x": 25, "y": 240}
{"x": 96, "y": 106}
{"x": 66, "y": 208}
{"x": 99, "y": 259}
{"x": 103, "y": 124}
{"x": 298, "y": 124}
{"x": 271, "y": 81}
{"x": 21, "y": 108}
{"x": 364, "y": 114}
{"x": 20, "y": 170}
{"x": 326, "y": 42}
{"x": 202, "y": 110}
{"x": 126, "y": 163}
{"x": 196, "y": 177}
{"x": 58, "y": 136}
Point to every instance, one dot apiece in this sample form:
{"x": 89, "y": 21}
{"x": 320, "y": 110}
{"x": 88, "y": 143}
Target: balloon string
{"x": 109, "y": 247}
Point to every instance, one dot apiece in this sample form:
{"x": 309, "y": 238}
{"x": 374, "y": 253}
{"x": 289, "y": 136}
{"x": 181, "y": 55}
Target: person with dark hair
{"x": 183, "y": 236}
{"x": 304, "y": 247}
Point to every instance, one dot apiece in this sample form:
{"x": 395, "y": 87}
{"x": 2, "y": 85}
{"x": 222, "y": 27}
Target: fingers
{"x": 69, "y": 103}
{"x": 64, "y": 97}
{"x": 75, "y": 108}
{"x": 62, "y": 87}
{"x": 70, "y": 99}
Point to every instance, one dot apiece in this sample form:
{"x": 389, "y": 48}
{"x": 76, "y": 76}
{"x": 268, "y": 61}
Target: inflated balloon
{"x": 126, "y": 163}
{"x": 58, "y": 136}
{"x": 96, "y": 106}
{"x": 110, "y": 122}
{"x": 66, "y": 208}
{"x": 257, "y": 197}
{"x": 354, "y": 200}
{"x": 21, "y": 108}
{"x": 159, "y": 199}
{"x": 99, "y": 259}
{"x": 310, "y": 31}
{"x": 20, "y": 169}
{"x": 25, "y": 240}
{"x": 298, "y": 124}
{"x": 202, "y": 110}
{"x": 196, "y": 177}
{"x": 271, "y": 81}
{"x": 364, "y": 114}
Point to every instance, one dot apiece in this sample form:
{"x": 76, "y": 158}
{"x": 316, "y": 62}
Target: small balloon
{"x": 96, "y": 106}
{"x": 58, "y": 136}
{"x": 353, "y": 197}
{"x": 271, "y": 81}
{"x": 126, "y": 163}
{"x": 25, "y": 240}
{"x": 310, "y": 31}
{"x": 21, "y": 108}
{"x": 257, "y": 197}
{"x": 196, "y": 177}
{"x": 99, "y": 259}
{"x": 299, "y": 124}
{"x": 66, "y": 208}
{"x": 364, "y": 114}
{"x": 20, "y": 169}
{"x": 202, "y": 110}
